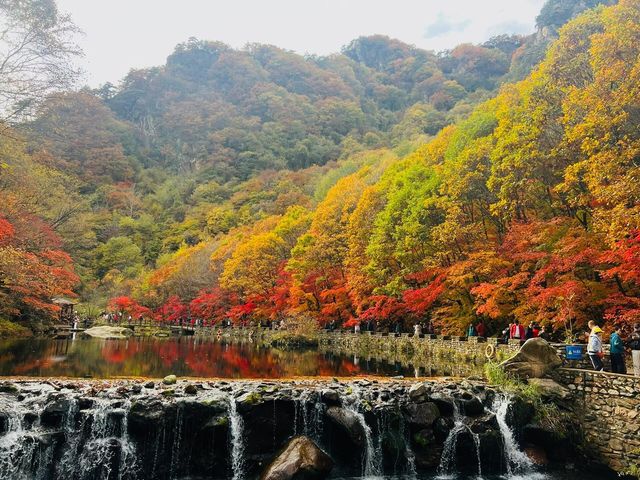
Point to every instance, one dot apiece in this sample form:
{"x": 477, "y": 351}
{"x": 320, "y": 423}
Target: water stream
{"x": 516, "y": 461}
{"x": 237, "y": 440}
{"x": 372, "y": 462}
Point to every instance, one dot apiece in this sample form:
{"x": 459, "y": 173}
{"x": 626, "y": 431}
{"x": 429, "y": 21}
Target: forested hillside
{"x": 385, "y": 183}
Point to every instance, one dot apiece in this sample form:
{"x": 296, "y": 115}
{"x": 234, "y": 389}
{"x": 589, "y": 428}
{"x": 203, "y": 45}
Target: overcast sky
{"x": 125, "y": 34}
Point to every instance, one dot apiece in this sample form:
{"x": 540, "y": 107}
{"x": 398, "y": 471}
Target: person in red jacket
{"x": 480, "y": 330}
{"x": 517, "y": 331}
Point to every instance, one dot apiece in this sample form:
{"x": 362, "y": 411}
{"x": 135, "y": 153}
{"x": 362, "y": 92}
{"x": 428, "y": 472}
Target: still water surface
{"x": 182, "y": 356}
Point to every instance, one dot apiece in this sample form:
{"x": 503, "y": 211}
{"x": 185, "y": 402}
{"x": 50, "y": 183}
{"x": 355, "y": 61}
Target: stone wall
{"x": 464, "y": 355}
{"x": 608, "y": 407}
{"x": 437, "y": 354}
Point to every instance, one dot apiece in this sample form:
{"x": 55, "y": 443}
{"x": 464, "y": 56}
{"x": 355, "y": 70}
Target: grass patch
{"x": 634, "y": 469}
{"x": 508, "y": 383}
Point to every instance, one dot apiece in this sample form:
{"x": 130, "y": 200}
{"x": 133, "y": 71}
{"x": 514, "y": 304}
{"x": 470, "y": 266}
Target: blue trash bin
{"x": 573, "y": 352}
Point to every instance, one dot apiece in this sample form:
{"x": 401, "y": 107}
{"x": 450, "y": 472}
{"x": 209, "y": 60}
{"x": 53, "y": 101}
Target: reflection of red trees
{"x": 118, "y": 352}
{"x": 182, "y": 356}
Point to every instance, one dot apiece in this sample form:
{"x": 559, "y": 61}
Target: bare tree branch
{"x": 37, "y": 51}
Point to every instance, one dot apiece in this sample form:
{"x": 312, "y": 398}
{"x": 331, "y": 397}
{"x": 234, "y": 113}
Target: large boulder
{"x": 550, "y": 389}
{"x": 535, "y": 359}
{"x": 349, "y": 423}
{"x": 422, "y": 414}
{"x": 109, "y": 332}
{"x": 301, "y": 459}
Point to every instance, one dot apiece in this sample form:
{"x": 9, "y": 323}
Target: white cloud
{"x": 444, "y": 25}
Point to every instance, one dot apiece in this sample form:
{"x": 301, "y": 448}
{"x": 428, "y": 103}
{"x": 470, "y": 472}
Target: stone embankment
{"x": 608, "y": 408}
{"x": 219, "y": 429}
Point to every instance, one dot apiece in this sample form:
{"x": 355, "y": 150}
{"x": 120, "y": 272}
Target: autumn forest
{"x": 490, "y": 182}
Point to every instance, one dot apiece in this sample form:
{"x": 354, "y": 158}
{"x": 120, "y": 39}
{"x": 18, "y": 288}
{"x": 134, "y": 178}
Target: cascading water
{"x": 177, "y": 437}
{"x": 236, "y": 424}
{"x": 107, "y": 449}
{"x": 96, "y": 443}
{"x": 448, "y": 459}
{"x": 410, "y": 467}
{"x": 17, "y": 446}
{"x": 516, "y": 461}
{"x": 372, "y": 463}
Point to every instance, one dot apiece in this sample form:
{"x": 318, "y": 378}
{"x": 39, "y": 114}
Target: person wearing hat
{"x": 594, "y": 348}
{"x": 616, "y": 351}
{"x": 634, "y": 345}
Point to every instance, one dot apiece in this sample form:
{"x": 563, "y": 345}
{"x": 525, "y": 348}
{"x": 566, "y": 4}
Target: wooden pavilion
{"x": 66, "y": 309}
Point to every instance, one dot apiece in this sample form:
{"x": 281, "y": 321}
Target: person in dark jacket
{"x": 616, "y": 351}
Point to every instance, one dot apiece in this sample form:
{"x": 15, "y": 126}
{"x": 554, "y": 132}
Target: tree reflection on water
{"x": 183, "y": 356}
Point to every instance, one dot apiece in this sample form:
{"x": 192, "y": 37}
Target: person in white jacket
{"x": 594, "y": 348}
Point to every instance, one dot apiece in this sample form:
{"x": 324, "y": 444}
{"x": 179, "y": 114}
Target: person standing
{"x": 517, "y": 331}
{"x": 544, "y": 334}
{"x": 480, "y": 330}
{"x": 594, "y": 349}
{"x": 529, "y": 332}
{"x": 634, "y": 345}
{"x": 506, "y": 333}
{"x": 471, "y": 331}
{"x": 616, "y": 351}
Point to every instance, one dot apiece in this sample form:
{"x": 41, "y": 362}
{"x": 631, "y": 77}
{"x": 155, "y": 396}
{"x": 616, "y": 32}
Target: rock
{"x": 330, "y": 397}
{"x": 105, "y": 331}
{"x": 471, "y": 406}
{"x": 441, "y": 428}
{"x": 444, "y": 404}
{"x": 170, "y": 380}
{"x": 191, "y": 389}
{"x": 150, "y": 385}
{"x": 301, "y": 459}
{"x": 519, "y": 413}
{"x": 54, "y": 413}
{"x": 144, "y": 414}
{"x": 422, "y": 414}
{"x": 418, "y": 392}
{"x": 349, "y": 423}
{"x": 484, "y": 423}
{"x": 550, "y": 389}
{"x": 535, "y": 359}
{"x": 8, "y": 388}
{"x": 537, "y": 455}
{"x": 248, "y": 400}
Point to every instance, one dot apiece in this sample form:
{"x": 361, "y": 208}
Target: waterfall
{"x": 237, "y": 441}
{"x": 410, "y": 467}
{"x": 101, "y": 451}
{"x": 108, "y": 446}
{"x": 177, "y": 437}
{"x": 18, "y": 447}
{"x": 448, "y": 458}
{"x": 372, "y": 463}
{"x": 312, "y": 409}
{"x": 516, "y": 460}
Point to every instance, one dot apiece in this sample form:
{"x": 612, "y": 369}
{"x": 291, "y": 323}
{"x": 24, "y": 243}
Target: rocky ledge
{"x": 277, "y": 429}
